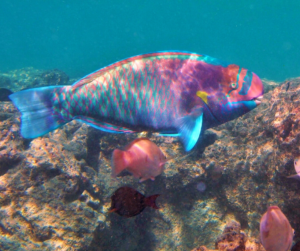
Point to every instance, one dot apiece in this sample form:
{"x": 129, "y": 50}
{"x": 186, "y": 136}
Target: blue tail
{"x": 38, "y": 116}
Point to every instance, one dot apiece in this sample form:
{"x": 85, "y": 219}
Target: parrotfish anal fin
{"x": 190, "y": 127}
{"x": 106, "y": 127}
{"x": 170, "y": 134}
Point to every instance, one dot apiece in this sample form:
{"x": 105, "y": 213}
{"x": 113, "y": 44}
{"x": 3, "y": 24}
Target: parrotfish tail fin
{"x": 118, "y": 162}
{"x": 296, "y": 176}
{"x": 190, "y": 127}
{"x": 151, "y": 201}
{"x": 37, "y": 114}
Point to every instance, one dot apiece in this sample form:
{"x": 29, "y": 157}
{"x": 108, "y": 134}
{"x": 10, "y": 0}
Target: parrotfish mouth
{"x": 258, "y": 99}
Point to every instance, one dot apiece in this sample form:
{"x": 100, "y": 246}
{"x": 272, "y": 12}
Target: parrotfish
{"x": 128, "y": 202}
{"x": 142, "y": 158}
{"x": 173, "y": 93}
{"x": 276, "y": 233}
{"x": 297, "y": 169}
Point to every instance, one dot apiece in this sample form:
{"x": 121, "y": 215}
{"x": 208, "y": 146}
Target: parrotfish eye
{"x": 233, "y": 85}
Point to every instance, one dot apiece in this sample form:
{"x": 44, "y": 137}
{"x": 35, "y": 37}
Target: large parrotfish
{"x": 173, "y": 93}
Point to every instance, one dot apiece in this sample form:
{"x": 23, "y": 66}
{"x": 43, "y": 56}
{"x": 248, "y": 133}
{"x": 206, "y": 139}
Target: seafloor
{"x": 55, "y": 190}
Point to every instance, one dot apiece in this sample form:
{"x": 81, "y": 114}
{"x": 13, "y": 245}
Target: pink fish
{"x": 141, "y": 157}
{"x": 297, "y": 169}
{"x": 276, "y": 233}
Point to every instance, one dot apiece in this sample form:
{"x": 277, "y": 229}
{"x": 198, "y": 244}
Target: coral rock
{"x": 232, "y": 238}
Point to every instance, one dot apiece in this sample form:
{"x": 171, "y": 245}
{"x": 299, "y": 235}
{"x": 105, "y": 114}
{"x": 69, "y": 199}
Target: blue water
{"x": 79, "y": 37}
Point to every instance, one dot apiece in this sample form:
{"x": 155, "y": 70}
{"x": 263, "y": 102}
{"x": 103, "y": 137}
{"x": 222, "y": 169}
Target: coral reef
{"x": 55, "y": 190}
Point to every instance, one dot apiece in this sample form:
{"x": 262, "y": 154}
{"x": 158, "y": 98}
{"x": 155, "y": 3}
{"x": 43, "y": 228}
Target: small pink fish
{"x": 276, "y": 233}
{"x": 297, "y": 169}
{"x": 141, "y": 157}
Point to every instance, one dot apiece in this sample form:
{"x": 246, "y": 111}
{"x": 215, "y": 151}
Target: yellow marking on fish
{"x": 202, "y": 95}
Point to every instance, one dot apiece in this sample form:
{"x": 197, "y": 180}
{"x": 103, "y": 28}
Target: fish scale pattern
{"x": 144, "y": 92}
{"x": 134, "y": 93}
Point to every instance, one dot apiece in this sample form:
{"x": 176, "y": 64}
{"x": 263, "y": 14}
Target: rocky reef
{"x": 25, "y": 78}
{"x": 233, "y": 239}
{"x": 55, "y": 190}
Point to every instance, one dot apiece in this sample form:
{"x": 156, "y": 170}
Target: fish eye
{"x": 233, "y": 85}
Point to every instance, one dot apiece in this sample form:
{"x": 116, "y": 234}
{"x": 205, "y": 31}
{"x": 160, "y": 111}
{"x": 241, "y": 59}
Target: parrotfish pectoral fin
{"x": 38, "y": 116}
{"x": 190, "y": 127}
{"x": 106, "y": 127}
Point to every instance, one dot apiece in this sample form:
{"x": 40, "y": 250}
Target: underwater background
{"x": 56, "y": 190}
{"x": 79, "y": 37}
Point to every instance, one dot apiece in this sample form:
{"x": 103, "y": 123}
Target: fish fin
{"x": 190, "y": 128}
{"x": 37, "y": 113}
{"x": 118, "y": 162}
{"x": 112, "y": 210}
{"x": 4, "y": 94}
{"x": 266, "y": 224}
{"x": 92, "y": 76}
{"x": 151, "y": 201}
{"x": 143, "y": 179}
{"x": 295, "y": 176}
{"x": 161, "y": 164}
{"x": 106, "y": 127}
{"x": 169, "y": 134}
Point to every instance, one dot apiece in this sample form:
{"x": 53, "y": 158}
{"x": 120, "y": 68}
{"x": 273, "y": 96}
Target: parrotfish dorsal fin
{"x": 190, "y": 127}
{"x": 89, "y": 78}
